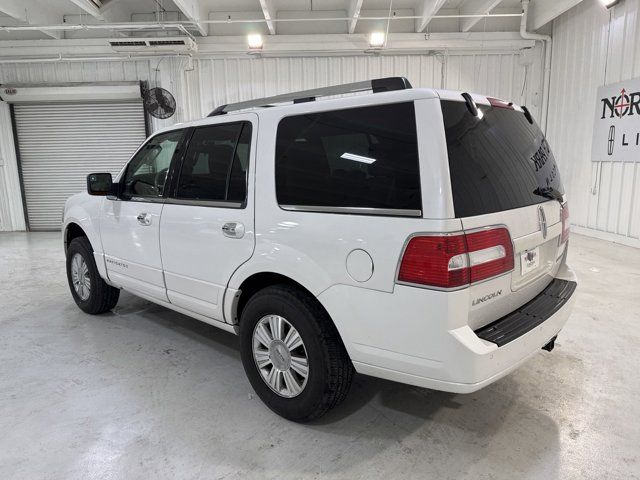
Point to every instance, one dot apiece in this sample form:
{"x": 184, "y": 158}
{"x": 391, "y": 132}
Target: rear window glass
{"x": 361, "y": 157}
{"x": 498, "y": 160}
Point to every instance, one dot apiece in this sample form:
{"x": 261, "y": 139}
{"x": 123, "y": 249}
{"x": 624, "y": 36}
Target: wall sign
{"x": 616, "y": 130}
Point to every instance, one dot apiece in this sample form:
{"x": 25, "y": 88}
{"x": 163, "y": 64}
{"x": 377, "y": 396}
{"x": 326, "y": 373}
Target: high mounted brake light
{"x": 456, "y": 260}
{"x": 496, "y": 102}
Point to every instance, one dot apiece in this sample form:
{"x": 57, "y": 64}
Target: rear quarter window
{"x": 361, "y": 158}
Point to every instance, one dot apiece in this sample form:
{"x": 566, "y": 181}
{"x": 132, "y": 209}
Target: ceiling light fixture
{"x": 254, "y": 40}
{"x": 610, "y": 3}
{"x": 377, "y": 39}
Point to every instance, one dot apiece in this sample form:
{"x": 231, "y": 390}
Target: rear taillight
{"x": 438, "y": 261}
{"x": 456, "y": 260}
{"x": 564, "y": 215}
{"x": 490, "y": 253}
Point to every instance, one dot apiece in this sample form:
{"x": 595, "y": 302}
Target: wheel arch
{"x": 81, "y": 218}
{"x": 260, "y": 280}
{"x": 73, "y": 230}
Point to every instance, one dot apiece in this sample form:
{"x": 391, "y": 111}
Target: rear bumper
{"x": 530, "y": 315}
{"x": 423, "y": 345}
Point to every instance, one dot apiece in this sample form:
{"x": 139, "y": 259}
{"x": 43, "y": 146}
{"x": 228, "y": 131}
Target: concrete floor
{"x": 147, "y": 393}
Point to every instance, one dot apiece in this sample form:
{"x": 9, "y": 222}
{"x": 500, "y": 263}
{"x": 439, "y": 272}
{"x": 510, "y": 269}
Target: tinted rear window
{"x": 498, "y": 160}
{"x": 361, "y": 157}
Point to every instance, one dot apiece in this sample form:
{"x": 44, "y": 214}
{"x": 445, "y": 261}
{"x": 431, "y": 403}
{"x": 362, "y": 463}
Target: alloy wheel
{"x": 80, "y": 277}
{"x": 280, "y": 355}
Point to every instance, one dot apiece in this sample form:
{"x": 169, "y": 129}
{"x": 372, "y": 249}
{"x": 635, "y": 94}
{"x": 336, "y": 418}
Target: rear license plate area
{"x": 529, "y": 261}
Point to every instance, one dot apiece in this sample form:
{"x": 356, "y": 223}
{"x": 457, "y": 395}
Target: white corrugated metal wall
{"x": 221, "y": 81}
{"x": 168, "y": 75}
{"x": 591, "y": 50}
{"x": 11, "y": 211}
{"x": 514, "y": 75}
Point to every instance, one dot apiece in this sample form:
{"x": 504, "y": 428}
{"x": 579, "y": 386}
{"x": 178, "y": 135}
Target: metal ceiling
{"x": 288, "y": 16}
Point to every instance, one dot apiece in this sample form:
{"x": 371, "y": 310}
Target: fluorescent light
{"x": 609, "y": 3}
{"x": 376, "y": 39}
{"x": 357, "y": 158}
{"x": 255, "y": 41}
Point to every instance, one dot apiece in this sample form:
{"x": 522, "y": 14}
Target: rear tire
{"x": 329, "y": 371}
{"x": 90, "y": 292}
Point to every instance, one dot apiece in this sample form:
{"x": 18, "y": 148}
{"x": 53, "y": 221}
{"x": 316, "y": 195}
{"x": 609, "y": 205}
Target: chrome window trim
{"x": 354, "y": 210}
{"x": 142, "y": 199}
{"x": 205, "y": 203}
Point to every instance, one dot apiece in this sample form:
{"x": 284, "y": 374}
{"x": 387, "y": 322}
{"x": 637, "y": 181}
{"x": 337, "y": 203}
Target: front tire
{"x": 292, "y": 353}
{"x": 90, "y": 292}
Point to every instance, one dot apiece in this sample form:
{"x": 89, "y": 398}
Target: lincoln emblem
{"x": 542, "y": 220}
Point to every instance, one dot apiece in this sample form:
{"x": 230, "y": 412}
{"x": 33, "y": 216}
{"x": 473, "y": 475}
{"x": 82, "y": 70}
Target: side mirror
{"x": 99, "y": 183}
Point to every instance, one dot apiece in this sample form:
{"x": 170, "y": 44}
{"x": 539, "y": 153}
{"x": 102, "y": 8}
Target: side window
{"x": 216, "y": 163}
{"x": 147, "y": 171}
{"x": 361, "y": 157}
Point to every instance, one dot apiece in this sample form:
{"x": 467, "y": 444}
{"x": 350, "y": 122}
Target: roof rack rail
{"x": 376, "y": 85}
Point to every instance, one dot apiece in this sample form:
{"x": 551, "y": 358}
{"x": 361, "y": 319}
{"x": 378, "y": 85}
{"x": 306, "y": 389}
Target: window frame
{"x": 176, "y": 154}
{"x": 365, "y": 211}
{"x": 172, "y": 197}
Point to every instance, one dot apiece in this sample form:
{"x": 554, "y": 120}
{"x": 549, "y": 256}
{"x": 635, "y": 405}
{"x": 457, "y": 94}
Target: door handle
{"x": 144, "y": 219}
{"x": 233, "y": 230}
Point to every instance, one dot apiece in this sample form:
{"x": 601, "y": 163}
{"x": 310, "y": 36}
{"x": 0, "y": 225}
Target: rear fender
{"x": 284, "y": 261}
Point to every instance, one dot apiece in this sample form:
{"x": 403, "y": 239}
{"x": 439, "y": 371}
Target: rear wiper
{"x": 548, "y": 192}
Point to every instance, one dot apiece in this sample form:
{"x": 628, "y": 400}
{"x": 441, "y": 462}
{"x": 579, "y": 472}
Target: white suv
{"x": 411, "y": 234}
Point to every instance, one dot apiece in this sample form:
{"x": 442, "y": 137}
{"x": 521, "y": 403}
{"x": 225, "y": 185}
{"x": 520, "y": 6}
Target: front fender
{"x": 84, "y": 210}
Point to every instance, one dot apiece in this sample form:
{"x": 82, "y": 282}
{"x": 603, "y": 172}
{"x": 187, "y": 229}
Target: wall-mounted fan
{"x": 159, "y": 103}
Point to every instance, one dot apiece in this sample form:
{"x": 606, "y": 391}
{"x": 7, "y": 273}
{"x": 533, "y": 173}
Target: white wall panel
{"x": 11, "y": 212}
{"x": 226, "y": 80}
{"x": 510, "y": 75}
{"x": 594, "y": 46}
{"x": 169, "y": 75}
{"x": 516, "y": 76}
{"x": 221, "y": 81}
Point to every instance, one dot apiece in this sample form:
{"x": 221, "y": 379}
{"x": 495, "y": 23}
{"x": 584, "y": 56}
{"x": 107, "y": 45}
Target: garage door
{"x": 61, "y": 143}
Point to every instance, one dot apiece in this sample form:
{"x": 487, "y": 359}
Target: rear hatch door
{"x": 503, "y": 173}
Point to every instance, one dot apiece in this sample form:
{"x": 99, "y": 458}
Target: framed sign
{"x": 616, "y": 129}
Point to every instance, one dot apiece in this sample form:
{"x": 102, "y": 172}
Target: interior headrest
{"x": 219, "y": 157}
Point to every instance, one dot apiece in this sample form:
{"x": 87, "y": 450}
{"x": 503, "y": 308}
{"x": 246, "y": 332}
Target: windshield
{"x": 497, "y": 160}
